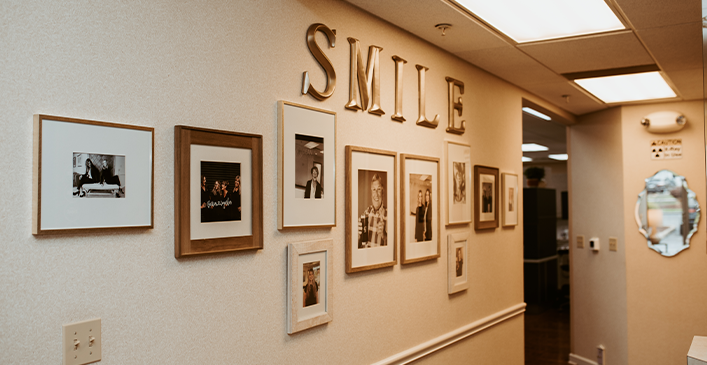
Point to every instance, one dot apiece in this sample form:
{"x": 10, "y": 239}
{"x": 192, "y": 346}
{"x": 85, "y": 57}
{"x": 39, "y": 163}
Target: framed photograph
{"x": 419, "y": 191}
{"x": 457, "y": 264}
{"x": 458, "y": 157}
{"x": 309, "y": 284}
{"x": 306, "y": 167}
{"x": 218, "y": 191}
{"x": 91, "y": 175}
{"x": 370, "y": 209}
{"x": 510, "y": 199}
{"x": 486, "y": 197}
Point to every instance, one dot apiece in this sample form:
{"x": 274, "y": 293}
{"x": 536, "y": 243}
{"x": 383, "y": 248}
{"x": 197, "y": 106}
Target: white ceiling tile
{"x": 688, "y": 82}
{"x": 658, "y": 13}
{"x": 509, "y": 64}
{"x": 677, "y": 47}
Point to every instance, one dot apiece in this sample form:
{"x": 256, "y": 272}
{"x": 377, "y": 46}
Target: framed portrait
{"x": 509, "y": 184}
{"x": 306, "y": 167}
{"x": 370, "y": 209}
{"x": 458, "y": 161}
{"x": 486, "y": 197}
{"x": 91, "y": 175}
{"x": 218, "y": 191}
{"x": 419, "y": 191}
{"x": 309, "y": 284}
{"x": 457, "y": 264}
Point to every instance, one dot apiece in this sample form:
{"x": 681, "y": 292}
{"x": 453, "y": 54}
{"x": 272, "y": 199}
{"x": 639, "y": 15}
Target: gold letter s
{"x": 323, "y": 60}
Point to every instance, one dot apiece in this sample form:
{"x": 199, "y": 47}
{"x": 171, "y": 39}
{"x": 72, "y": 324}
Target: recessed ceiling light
{"x": 311, "y": 145}
{"x": 536, "y": 113}
{"x": 527, "y": 159}
{"x": 631, "y": 87}
{"x": 533, "y": 147}
{"x": 529, "y": 21}
{"x": 559, "y": 157}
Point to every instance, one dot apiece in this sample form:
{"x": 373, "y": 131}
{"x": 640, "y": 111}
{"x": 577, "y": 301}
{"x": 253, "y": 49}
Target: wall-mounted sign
{"x": 666, "y": 149}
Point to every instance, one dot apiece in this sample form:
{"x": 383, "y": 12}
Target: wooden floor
{"x": 547, "y": 336}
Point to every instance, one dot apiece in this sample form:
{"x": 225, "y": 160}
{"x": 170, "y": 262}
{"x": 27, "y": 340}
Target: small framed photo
{"x": 458, "y": 157}
{"x": 510, "y": 199}
{"x": 457, "y": 264}
{"x": 486, "y": 197}
{"x": 309, "y": 284}
{"x": 370, "y": 209}
{"x": 306, "y": 166}
{"x": 91, "y": 175}
{"x": 218, "y": 191}
{"x": 420, "y": 205}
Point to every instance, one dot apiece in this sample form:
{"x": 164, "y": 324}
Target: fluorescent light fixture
{"x": 631, "y": 87}
{"x": 527, "y": 159}
{"x": 311, "y": 145}
{"x": 529, "y": 21}
{"x": 533, "y": 147}
{"x": 559, "y": 157}
{"x": 536, "y": 113}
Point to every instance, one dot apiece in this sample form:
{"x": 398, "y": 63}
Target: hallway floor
{"x": 547, "y": 336}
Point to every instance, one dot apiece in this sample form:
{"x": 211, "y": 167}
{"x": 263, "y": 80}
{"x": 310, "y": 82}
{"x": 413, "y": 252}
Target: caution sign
{"x": 666, "y": 149}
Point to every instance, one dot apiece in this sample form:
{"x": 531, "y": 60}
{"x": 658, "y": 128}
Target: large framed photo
{"x": 306, "y": 167}
{"x": 457, "y": 264}
{"x": 510, "y": 199}
{"x": 218, "y": 191}
{"x": 458, "y": 157}
{"x": 420, "y": 208}
{"x": 91, "y": 175}
{"x": 370, "y": 208}
{"x": 309, "y": 284}
{"x": 486, "y": 197}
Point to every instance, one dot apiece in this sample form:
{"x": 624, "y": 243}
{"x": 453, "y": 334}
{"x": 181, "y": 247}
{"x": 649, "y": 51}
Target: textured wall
{"x": 224, "y": 65}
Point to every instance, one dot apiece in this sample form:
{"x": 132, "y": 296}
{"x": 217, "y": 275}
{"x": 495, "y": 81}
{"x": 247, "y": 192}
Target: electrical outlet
{"x": 613, "y": 244}
{"x": 82, "y": 342}
{"x": 580, "y": 241}
{"x": 601, "y": 355}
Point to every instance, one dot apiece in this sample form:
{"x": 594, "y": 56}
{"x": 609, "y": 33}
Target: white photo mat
{"x": 488, "y": 216}
{"x": 458, "y": 212}
{"x": 414, "y": 250}
{"x": 299, "y": 317}
{"x": 510, "y": 199}
{"x": 244, "y": 227}
{"x": 60, "y": 210}
{"x": 298, "y": 212}
{"x": 456, "y": 241}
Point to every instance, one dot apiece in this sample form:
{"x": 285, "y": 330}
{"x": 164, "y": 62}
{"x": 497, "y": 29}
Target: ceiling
{"x": 663, "y": 35}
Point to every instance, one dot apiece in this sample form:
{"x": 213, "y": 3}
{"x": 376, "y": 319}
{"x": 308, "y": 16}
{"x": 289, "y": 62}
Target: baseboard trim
{"x": 579, "y": 360}
{"x": 452, "y": 337}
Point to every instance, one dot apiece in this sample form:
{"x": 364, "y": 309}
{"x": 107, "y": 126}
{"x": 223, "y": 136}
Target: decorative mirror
{"x": 667, "y": 213}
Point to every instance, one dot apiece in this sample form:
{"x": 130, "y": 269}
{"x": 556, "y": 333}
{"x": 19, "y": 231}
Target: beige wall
{"x": 224, "y": 65}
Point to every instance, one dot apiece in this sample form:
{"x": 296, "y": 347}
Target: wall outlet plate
{"x": 613, "y": 244}
{"x": 82, "y": 342}
{"x": 580, "y": 241}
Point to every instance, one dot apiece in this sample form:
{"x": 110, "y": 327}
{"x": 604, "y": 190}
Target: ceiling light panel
{"x": 632, "y": 87}
{"x": 529, "y": 21}
{"x": 536, "y": 113}
{"x": 533, "y": 147}
{"x": 526, "y": 159}
{"x": 559, "y": 157}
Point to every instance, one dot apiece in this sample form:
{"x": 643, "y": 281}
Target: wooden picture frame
{"x": 485, "y": 197}
{"x": 306, "y": 147}
{"x": 458, "y": 177}
{"x": 419, "y": 220}
{"x": 509, "y": 187}
{"x": 457, "y": 262}
{"x": 214, "y": 225}
{"x": 370, "y": 232}
{"x": 112, "y": 175}
{"x": 309, "y": 304}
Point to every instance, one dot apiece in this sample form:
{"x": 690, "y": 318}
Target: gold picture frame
{"x": 419, "y": 230}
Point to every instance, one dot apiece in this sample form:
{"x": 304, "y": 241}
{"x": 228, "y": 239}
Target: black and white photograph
{"x": 98, "y": 175}
{"x": 309, "y": 164}
{"x": 510, "y": 197}
{"x": 487, "y": 203}
{"x": 372, "y": 210}
{"x": 310, "y": 286}
{"x": 487, "y": 197}
{"x": 457, "y": 266}
{"x": 459, "y": 182}
{"x": 459, "y": 262}
{"x": 220, "y": 191}
{"x": 421, "y": 202}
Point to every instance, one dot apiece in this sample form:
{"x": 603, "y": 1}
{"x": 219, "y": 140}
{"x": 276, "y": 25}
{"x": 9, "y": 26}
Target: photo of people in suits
{"x": 98, "y": 175}
{"x": 309, "y": 164}
{"x": 487, "y": 197}
{"x": 220, "y": 191}
{"x": 420, "y": 208}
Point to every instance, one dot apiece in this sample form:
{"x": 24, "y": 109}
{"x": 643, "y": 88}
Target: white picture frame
{"x": 68, "y": 186}
{"x": 309, "y": 304}
{"x": 457, "y": 262}
{"x": 510, "y": 199}
{"x": 459, "y": 183}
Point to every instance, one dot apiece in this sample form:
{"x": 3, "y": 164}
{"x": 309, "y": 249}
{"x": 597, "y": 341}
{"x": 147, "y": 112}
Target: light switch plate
{"x": 580, "y": 241}
{"x": 82, "y": 342}
{"x": 613, "y": 244}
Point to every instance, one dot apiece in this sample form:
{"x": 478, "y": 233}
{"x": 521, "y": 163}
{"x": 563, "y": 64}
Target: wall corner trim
{"x": 452, "y": 337}
{"x": 579, "y": 360}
